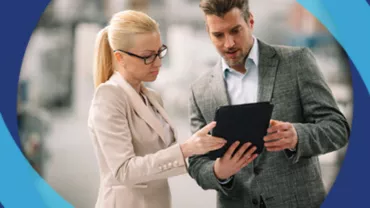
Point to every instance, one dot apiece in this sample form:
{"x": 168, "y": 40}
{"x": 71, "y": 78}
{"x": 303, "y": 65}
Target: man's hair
{"x": 221, "y": 7}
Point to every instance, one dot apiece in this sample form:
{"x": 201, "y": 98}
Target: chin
{"x": 232, "y": 63}
{"x": 150, "y": 79}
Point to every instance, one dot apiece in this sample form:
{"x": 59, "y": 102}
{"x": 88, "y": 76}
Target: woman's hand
{"x": 201, "y": 142}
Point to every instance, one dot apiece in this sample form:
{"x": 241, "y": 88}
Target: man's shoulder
{"x": 203, "y": 79}
{"x": 284, "y": 51}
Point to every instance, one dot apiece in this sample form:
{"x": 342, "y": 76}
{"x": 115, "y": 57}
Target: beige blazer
{"x": 134, "y": 157}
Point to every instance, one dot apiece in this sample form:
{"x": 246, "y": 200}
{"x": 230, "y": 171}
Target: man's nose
{"x": 229, "y": 41}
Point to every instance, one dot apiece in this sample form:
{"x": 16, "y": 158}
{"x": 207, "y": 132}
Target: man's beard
{"x": 235, "y": 62}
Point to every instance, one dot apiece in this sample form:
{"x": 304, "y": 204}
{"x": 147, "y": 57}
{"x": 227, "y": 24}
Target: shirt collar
{"x": 252, "y": 57}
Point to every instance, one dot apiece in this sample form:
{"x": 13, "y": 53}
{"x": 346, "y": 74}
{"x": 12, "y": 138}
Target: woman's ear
{"x": 118, "y": 56}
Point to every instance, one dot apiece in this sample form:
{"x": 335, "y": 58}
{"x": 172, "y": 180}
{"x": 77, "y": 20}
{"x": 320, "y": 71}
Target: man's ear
{"x": 251, "y": 20}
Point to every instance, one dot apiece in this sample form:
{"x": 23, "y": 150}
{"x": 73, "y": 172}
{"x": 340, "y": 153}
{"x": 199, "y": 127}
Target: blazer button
{"x": 165, "y": 167}
{"x": 255, "y": 201}
{"x": 175, "y": 164}
{"x": 160, "y": 168}
{"x": 169, "y": 165}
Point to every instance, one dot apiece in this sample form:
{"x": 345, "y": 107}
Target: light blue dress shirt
{"x": 243, "y": 88}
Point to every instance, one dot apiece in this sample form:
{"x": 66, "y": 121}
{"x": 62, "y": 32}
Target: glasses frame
{"x": 163, "y": 47}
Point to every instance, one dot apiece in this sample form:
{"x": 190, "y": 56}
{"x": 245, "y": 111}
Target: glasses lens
{"x": 150, "y": 59}
{"x": 163, "y": 53}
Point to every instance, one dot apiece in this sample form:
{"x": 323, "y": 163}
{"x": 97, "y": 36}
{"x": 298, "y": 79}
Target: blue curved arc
{"x": 21, "y": 186}
{"x": 352, "y": 30}
{"x": 348, "y": 21}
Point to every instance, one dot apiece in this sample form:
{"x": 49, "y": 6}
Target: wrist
{"x": 226, "y": 181}
{"x": 294, "y": 146}
{"x": 186, "y": 150}
{"x": 219, "y": 176}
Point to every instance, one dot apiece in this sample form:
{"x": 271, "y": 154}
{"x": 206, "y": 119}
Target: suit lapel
{"x": 138, "y": 105}
{"x": 218, "y": 87}
{"x": 266, "y": 71}
{"x": 268, "y": 62}
{"x": 160, "y": 109}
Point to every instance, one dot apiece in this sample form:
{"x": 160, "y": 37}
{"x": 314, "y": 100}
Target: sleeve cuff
{"x": 226, "y": 181}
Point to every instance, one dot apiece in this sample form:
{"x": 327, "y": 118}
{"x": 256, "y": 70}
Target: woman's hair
{"x": 118, "y": 34}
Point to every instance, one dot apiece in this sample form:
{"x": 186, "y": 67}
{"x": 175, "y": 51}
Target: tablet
{"x": 244, "y": 123}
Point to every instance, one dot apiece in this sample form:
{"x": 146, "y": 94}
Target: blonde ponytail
{"x": 103, "y": 64}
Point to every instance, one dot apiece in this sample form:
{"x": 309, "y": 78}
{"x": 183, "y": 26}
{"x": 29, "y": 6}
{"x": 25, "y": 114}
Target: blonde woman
{"x": 134, "y": 139}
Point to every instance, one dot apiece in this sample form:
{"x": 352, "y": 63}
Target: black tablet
{"x": 244, "y": 123}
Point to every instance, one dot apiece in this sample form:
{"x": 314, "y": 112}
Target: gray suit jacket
{"x": 289, "y": 78}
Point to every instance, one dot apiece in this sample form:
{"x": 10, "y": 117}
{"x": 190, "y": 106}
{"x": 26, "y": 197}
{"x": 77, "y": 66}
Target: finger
{"x": 239, "y": 154}
{"x": 231, "y": 150}
{"x": 213, "y": 140}
{"x": 215, "y": 147}
{"x": 274, "y": 122}
{"x": 207, "y": 128}
{"x": 277, "y": 135}
{"x": 248, "y": 161}
{"x": 251, "y": 151}
{"x": 281, "y": 126}
{"x": 246, "y": 156}
{"x": 275, "y": 149}
{"x": 253, "y": 157}
{"x": 277, "y": 143}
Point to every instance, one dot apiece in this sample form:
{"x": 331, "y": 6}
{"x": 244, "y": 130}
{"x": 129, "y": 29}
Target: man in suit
{"x": 305, "y": 121}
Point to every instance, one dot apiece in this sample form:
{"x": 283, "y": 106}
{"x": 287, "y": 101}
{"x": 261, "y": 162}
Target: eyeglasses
{"x": 148, "y": 59}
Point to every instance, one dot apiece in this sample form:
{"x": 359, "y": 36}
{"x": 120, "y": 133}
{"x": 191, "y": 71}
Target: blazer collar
{"x": 138, "y": 105}
{"x": 218, "y": 86}
{"x": 267, "y": 68}
{"x": 153, "y": 100}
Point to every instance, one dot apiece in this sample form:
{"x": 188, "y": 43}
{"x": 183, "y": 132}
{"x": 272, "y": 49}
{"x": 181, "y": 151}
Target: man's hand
{"x": 282, "y": 135}
{"x": 230, "y": 164}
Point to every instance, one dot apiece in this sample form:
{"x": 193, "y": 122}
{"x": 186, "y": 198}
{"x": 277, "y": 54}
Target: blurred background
{"x": 56, "y": 84}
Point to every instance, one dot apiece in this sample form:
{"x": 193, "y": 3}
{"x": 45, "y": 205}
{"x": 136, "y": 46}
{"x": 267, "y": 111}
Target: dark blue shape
{"x": 1, "y": 206}
{"x": 18, "y": 20}
{"x": 352, "y": 183}
{"x": 368, "y": 1}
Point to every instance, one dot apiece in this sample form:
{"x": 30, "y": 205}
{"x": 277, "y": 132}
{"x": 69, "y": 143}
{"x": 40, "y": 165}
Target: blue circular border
{"x": 21, "y": 186}
{"x": 349, "y": 24}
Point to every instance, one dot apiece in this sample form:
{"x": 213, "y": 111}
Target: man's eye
{"x": 235, "y": 31}
{"x": 217, "y": 35}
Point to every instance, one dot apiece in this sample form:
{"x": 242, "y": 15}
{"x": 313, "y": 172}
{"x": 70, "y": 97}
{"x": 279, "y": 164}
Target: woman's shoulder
{"x": 108, "y": 92}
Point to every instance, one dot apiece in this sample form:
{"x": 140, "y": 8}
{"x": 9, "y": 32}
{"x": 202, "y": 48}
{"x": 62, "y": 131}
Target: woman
{"x": 134, "y": 139}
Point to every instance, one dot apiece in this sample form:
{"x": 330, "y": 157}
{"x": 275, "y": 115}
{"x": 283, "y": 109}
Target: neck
{"x": 136, "y": 84}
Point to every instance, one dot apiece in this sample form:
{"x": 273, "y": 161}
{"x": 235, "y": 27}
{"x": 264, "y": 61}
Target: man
{"x": 306, "y": 120}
